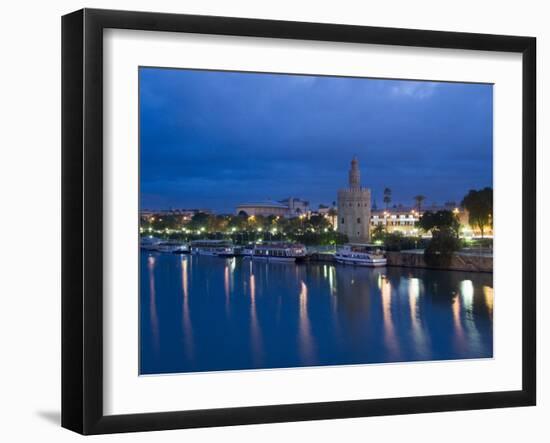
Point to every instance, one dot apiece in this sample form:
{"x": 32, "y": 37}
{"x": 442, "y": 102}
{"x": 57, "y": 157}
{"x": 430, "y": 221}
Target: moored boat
{"x": 172, "y": 247}
{"x": 278, "y": 252}
{"x": 361, "y": 254}
{"x": 218, "y": 248}
{"x": 149, "y": 243}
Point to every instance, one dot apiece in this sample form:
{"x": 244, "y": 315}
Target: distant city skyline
{"x": 212, "y": 139}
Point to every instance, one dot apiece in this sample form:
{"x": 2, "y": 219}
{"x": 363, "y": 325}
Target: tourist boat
{"x": 361, "y": 254}
{"x": 278, "y": 252}
{"x": 248, "y": 250}
{"x": 218, "y": 248}
{"x": 172, "y": 247}
{"x": 149, "y": 243}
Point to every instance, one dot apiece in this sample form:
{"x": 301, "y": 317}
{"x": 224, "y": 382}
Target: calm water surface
{"x": 203, "y": 313}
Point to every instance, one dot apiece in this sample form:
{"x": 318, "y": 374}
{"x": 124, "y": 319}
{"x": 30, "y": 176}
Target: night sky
{"x": 216, "y": 139}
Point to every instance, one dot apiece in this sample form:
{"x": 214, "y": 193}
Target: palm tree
{"x": 419, "y": 199}
{"x": 332, "y": 214}
{"x": 387, "y": 196}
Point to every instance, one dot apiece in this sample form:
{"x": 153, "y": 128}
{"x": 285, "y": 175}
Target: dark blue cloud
{"x": 216, "y": 139}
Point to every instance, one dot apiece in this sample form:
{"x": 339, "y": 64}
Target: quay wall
{"x": 459, "y": 262}
{"x": 322, "y": 256}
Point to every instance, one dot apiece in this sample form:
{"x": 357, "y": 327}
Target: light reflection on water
{"x": 255, "y": 332}
{"x": 186, "y": 318}
{"x": 207, "y": 313}
{"x": 418, "y": 333}
{"x": 305, "y": 338}
{"x": 153, "y": 301}
{"x": 392, "y": 344}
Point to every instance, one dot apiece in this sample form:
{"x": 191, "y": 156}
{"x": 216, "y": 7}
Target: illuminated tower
{"x": 354, "y": 207}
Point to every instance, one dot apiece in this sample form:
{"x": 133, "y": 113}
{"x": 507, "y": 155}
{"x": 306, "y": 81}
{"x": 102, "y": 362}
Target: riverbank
{"x": 460, "y": 261}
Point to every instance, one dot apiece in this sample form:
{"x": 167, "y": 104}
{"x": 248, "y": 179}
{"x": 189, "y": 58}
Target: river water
{"x": 200, "y": 313}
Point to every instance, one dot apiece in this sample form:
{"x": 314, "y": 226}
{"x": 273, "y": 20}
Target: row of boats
{"x": 361, "y": 254}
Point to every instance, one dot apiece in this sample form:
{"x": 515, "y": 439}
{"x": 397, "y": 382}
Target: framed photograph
{"x": 269, "y": 221}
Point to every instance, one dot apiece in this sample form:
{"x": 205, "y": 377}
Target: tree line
{"x": 444, "y": 227}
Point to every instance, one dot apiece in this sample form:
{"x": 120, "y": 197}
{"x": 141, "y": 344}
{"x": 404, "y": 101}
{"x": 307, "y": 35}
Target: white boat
{"x": 247, "y": 251}
{"x": 149, "y": 243}
{"x": 361, "y": 254}
{"x": 218, "y": 248}
{"x": 278, "y": 252}
{"x": 172, "y": 247}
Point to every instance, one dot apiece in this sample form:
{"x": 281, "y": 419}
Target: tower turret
{"x": 354, "y": 174}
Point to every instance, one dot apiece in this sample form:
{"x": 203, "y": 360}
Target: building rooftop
{"x": 263, "y": 204}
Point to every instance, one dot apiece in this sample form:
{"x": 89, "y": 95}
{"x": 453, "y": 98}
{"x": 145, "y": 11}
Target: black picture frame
{"x": 82, "y": 220}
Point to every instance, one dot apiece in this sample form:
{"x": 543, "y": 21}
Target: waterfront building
{"x": 296, "y": 206}
{"x": 288, "y": 207}
{"x": 398, "y": 219}
{"x": 264, "y": 208}
{"x": 354, "y": 207}
{"x": 149, "y": 215}
{"x": 405, "y": 220}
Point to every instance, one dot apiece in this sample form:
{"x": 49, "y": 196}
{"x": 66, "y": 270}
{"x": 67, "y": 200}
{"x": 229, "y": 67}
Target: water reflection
{"x": 332, "y": 279}
{"x": 227, "y": 288}
{"x": 305, "y": 339}
{"x": 389, "y": 330}
{"x": 489, "y": 297}
{"x": 153, "y": 301}
{"x": 239, "y": 314}
{"x": 255, "y": 332}
{"x": 186, "y": 318}
{"x": 467, "y": 293}
{"x": 418, "y": 334}
{"x": 459, "y": 337}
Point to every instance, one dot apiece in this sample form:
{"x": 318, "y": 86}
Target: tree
{"x": 442, "y": 246}
{"x": 444, "y": 227}
{"x": 237, "y": 222}
{"x": 318, "y": 222}
{"x": 379, "y": 233}
{"x": 396, "y": 241}
{"x": 479, "y": 205}
{"x": 218, "y": 223}
{"x": 419, "y": 199}
{"x": 438, "y": 221}
{"x": 198, "y": 221}
{"x": 387, "y": 196}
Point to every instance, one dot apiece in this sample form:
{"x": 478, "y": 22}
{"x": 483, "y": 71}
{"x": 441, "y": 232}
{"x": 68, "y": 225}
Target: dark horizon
{"x": 214, "y": 139}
